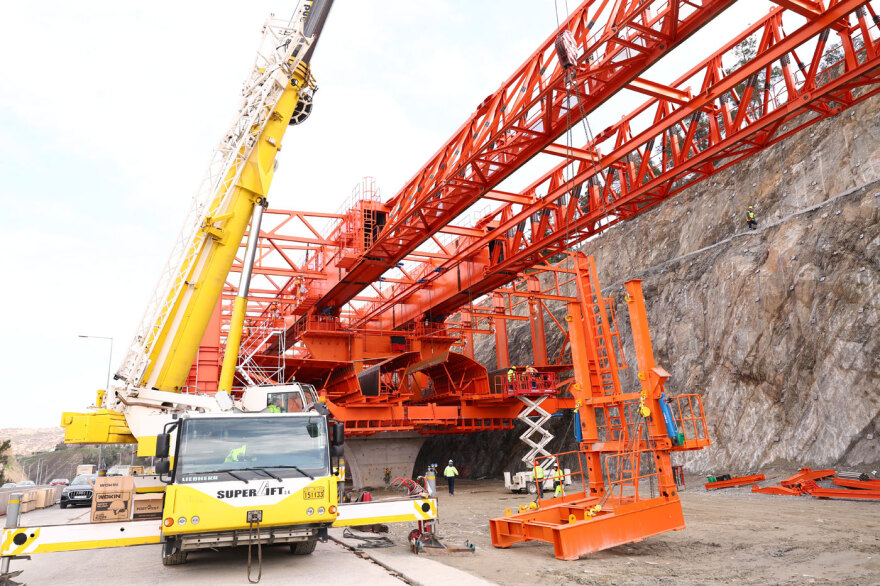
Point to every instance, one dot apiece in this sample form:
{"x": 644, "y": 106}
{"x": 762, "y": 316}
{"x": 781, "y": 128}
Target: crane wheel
{"x": 175, "y": 559}
{"x": 303, "y": 547}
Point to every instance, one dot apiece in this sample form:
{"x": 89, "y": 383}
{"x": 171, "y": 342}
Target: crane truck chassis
{"x": 236, "y": 478}
{"x": 237, "y": 474}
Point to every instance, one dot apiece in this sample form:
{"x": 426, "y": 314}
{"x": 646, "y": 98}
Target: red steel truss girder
{"x": 564, "y": 224}
{"x": 481, "y": 276}
{"x": 521, "y": 119}
{"x": 852, "y": 70}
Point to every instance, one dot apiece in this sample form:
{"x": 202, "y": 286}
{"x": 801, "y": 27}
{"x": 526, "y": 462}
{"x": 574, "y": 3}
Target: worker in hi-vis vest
{"x": 450, "y": 473}
{"x": 511, "y": 377}
{"x": 539, "y": 477}
{"x": 558, "y": 479}
{"x": 532, "y": 375}
{"x": 236, "y": 454}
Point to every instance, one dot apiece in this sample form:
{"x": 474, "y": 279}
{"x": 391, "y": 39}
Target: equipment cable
{"x": 368, "y": 542}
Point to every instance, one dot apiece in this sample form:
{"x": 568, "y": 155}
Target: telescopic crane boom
{"x": 278, "y": 92}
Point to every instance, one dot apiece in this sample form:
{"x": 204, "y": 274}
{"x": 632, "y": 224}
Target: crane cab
{"x": 291, "y": 398}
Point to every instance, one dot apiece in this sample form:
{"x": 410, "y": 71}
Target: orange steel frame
{"x": 368, "y": 296}
{"x": 622, "y": 452}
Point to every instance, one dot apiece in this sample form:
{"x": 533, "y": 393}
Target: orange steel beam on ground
{"x": 736, "y": 481}
{"x": 843, "y": 493}
{"x": 863, "y": 484}
{"x": 805, "y": 475}
{"x": 777, "y": 490}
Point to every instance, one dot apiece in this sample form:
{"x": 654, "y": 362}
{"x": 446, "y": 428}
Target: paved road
{"x": 130, "y": 566}
{"x": 331, "y": 563}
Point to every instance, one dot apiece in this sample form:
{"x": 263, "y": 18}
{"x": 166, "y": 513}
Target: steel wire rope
{"x": 570, "y": 78}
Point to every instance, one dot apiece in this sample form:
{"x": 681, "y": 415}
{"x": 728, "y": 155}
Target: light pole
{"x": 109, "y": 360}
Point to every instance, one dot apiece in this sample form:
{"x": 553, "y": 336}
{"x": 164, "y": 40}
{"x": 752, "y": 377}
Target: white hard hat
{"x": 450, "y": 461}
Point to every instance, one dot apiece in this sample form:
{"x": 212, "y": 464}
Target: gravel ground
{"x": 732, "y": 535}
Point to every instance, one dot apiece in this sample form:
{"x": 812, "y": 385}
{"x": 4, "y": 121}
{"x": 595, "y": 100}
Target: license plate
{"x": 313, "y": 493}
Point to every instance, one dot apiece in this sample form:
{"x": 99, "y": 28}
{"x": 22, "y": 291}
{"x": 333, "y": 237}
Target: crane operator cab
{"x": 291, "y": 398}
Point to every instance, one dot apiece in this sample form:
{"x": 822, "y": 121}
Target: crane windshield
{"x": 250, "y": 447}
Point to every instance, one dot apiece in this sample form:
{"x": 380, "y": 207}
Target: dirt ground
{"x": 732, "y": 536}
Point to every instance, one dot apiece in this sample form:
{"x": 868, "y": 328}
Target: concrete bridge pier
{"x": 366, "y": 458}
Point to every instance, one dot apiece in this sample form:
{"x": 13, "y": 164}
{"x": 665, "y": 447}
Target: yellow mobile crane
{"x": 277, "y": 93}
{"x": 236, "y": 471}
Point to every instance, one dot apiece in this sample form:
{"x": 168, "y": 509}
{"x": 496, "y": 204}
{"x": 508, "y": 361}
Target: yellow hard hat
{"x": 751, "y": 207}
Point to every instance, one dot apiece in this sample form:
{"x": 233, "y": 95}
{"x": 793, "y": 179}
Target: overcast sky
{"x": 109, "y": 112}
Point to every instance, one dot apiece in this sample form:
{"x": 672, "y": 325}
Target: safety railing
{"x": 690, "y": 420}
{"x": 527, "y": 384}
{"x": 624, "y": 475}
{"x": 557, "y": 461}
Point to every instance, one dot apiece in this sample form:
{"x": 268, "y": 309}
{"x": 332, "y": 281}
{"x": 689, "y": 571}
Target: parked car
{"x": 59, "y": 482}
{"x": 8, "y": 485}
{"x": 25, "y": 484}
{"x": 78, "y": 492}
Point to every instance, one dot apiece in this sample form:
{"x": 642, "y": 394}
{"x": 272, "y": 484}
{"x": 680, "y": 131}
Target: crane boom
{"x": 239, "y": 176}
{"x": 277, "y": 93}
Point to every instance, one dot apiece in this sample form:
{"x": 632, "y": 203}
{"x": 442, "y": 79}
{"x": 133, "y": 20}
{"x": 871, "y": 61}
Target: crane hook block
{"x": 566, "y": 49}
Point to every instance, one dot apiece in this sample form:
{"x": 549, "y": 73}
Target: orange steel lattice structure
{"x": 627, "y": 439}
{"x": 380, "y": 309}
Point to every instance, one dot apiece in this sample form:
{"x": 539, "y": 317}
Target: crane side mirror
{"x": 337, "y": 433}
{"x": 336, "y": 451}
{"x": 163, "y": 467}
{"x": 163, "y": 445}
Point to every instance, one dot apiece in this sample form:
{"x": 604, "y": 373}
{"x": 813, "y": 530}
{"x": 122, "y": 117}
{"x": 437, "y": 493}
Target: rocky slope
{"x": 776, "y": 329}
{"x": 27, "y": 441}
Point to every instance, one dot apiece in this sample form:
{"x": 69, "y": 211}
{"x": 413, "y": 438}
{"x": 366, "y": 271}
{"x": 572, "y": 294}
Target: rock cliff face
{"x": 776, "y": 329}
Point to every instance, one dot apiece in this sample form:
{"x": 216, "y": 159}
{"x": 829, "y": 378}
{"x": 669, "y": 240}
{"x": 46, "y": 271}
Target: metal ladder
{"x": 604, "y": 366}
